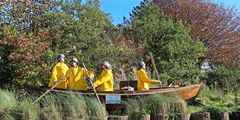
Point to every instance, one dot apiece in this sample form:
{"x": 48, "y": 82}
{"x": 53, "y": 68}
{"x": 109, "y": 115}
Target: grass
{"x": 64, "y": 106}
{"x": 154, "y": 105}
{"x": 5, "y": 116}
{"x": 216, "y": 100}
{"x": 28, "y": 110}
{"x": 159, "y": 104}
{"x": 50, "y": 108}
{"x": 95, "y": 110}
{"x": 7, "y": 104}
{"x": 72, "y": 106}
{"x": 194, "y": 109}
{"x": 7, "y": 100}
{"x": 132, "y": 108}
{"x": 176, "y": 103}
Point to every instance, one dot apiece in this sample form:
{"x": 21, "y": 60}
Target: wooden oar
{"x": 48, "y": 91}
{"x": 96, "y": 94}
{"x": 154, "y": 67}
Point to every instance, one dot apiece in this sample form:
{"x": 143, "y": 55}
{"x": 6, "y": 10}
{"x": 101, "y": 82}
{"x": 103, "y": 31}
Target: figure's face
{"x": 104, "y": 67}
{"x": 73, "y": 64}
{"x": 144, "y": 66}
{"x": 61, "y": 59}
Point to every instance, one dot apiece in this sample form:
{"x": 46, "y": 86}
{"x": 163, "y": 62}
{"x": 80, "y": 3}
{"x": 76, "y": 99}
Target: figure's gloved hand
{"x": 55, "y": 83}
{"x": 89, "y": 81}
{"x": 159, "y": 82}
{"x": 89, "y": 88}
{"x": 63, "y": 78}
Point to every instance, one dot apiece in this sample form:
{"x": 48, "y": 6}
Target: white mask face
{"x": 74, "y": 64}
{"x": 144, "y": 66}
{"x": 61, "y": 59}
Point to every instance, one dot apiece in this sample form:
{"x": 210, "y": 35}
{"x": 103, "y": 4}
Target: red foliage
{"x": 26, "y": 50}
{"x": 28, "y": 47}
{"x": 217, "y": 26}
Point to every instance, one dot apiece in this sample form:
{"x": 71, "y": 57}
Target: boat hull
{"x": 186, "y": 92}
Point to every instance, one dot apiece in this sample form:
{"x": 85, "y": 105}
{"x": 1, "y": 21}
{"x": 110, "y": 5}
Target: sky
{"x": 119, "y": 8}
{"x": 229, "y": 2}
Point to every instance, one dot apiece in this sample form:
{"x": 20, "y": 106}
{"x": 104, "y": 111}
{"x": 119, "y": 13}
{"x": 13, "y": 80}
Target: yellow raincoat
{"x": 58, "y": 73}
{"x": 76, "y": 78}
{"x": 143, "y": 80}
{"x": 105, "y": 80}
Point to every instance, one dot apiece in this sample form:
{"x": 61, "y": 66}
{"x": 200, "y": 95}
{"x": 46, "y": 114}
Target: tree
{"x": 215, "y": 25}
{"x": 176, "y": 54}
{"x": 21, "y": 56}
{"x": 44, "y": 29}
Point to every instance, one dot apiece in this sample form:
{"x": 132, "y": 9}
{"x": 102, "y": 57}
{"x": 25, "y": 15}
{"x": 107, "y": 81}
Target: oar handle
{"x": 155, "y": 68}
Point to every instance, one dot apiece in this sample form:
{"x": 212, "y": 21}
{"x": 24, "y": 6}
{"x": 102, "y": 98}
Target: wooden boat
{"x": 188, "y": 93}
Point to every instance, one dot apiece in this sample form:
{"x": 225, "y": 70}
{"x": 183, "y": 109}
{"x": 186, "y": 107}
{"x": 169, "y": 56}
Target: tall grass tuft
{"x": 6, "y": 116}
{"x": 176, "y": 103}
{"x": 176, "y": 106}
{"x": 50, "y": 108}
{"x": 73, "y": 106}
{"x": 95, "y": 110}
{"x": 156, "y": 104}
{"x": 132, "y": 108}
{"x": 7, "y": 104}
{"x": 28, "y": 110}
{"x": 7, "y": 100}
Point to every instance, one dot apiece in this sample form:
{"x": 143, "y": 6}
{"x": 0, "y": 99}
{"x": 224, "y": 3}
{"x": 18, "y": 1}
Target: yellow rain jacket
{"x": 105, "y": 80}
{"x": 143, "y": 80}
{"x": 76, "y": 78}
{"x": 58, "y": 73}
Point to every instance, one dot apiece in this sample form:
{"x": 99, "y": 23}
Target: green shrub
{"x": 217, "y": 100}
{"x": 224, "y": 77}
